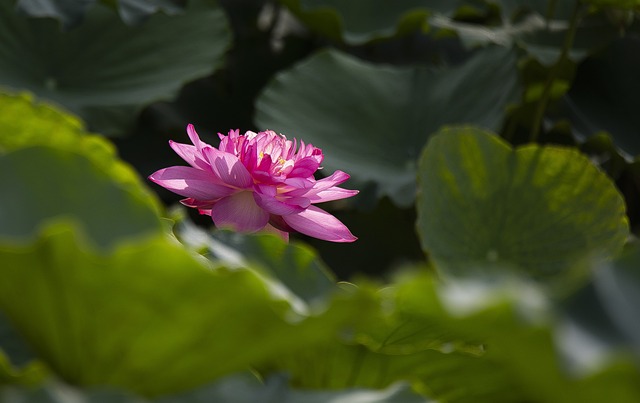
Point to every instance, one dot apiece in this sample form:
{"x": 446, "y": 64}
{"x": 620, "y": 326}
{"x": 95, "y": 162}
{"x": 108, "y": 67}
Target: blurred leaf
{"x": 137, "y": 11}
{"x": 604, "y": 94}
{"x": 17, "y": 352}
{"x": 620, "y": 4}
{"x": 58, "y": 392}
{"x": 400, "y": 344}
{"x": 84, "y": 178}
{"x": 542, "y": 209}
{"x": 541, "y": 37}
{"x": 238, "y": 389}
{"x": 360, "y": 21}
{"x": 586, "y": 336}
{"x": 294, "y": 264}
{"x": 105, "y": 71}
{"x": 618, "y": 285}
{"x": 71, "y": 12}
{"x": 30, "y": 375}
{"x": 602, "y": 150}
{"x": 150, "y": 317}
{"x": 25, "y": 123}
{"x": 558, "y": 10}
{"x": 44, "y": 183}
{"x": 515, "y": 359}
{"x": 371, "y": 120}
{"x": 446, "y": 376}
{"x": 233, "y": 389}
{"x": 515, "y": 323}
{"x": 518, "y": 360}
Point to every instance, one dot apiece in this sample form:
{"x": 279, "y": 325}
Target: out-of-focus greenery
{"x": 494, "y": 144}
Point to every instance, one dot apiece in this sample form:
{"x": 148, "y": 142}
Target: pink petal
{"x": 228, "y": 168}
{"x": 190, "y": 154}
{"x": 278, "y": 223}
{"x": 334, "y": 179}
{"x": 191, "y": 182}
{"x": 204, "y": 207}
{"x": 322, "y": 190}
{"x": 280, "y": 207}
{"x": 334, "y": 193}
{"x": 195, "y": 139}
{"x": 240, "y": 213}
{"x": 304, "y": 167}
{"x": 319, "y": 224}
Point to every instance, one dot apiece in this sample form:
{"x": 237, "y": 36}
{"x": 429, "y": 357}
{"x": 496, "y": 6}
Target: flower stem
{"x": 554, "y": 72}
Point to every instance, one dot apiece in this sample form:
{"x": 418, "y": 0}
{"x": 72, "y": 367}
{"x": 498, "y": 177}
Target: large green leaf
{"x": 515, "y": 359}
{"x": 516, "y": 324}
{"x": 359, "y": 21}
{"x": 25, "y": 123}
{"x": 151, "y": 317}
{"x": 105, "y": 71}
{"x": 604, "y": 93}
{"x": 371, "y": 120}
{"x": 44, "y": 183}
{"x": 543, "y": 209}
{"x": 540, "y": 37}
{"x": 294, "y": 264}
{"x": 71, "y": 12}
{"x": 84, "y": 178}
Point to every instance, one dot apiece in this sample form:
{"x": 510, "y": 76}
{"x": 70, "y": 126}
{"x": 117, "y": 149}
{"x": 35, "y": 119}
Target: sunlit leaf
{"x": 30, "y": 375}
{"x": 295, "y": 265}
{"x": 43, "y": 184}
{"x": 151, "y": 317}
{"x": 26, "y": 123}
{"x": 515, "y": 360}
{"x": 543, "y": 209}
{"x": 371, "y": 120}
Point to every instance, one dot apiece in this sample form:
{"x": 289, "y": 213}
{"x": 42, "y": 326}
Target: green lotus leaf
{"x": 294, "y": 264}
{"x": 539, "y": 27}
{"x": 151, "y": 317}
{"x": 71, "y": 12}
{"x": 42, "y": 124}
{"x": 515, "y": 359}
{"x": 545, "y": 210}
{"x": 105, "y": 71}
{"x": 602, "y": 96}
{"x": 44, "y": 183}
{"x": 371, "y": 120}
{"x": 360, "y": 21}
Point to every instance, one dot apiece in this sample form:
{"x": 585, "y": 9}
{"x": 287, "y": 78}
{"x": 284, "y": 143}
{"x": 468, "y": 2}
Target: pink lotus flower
{"x": 257, "y": 181}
